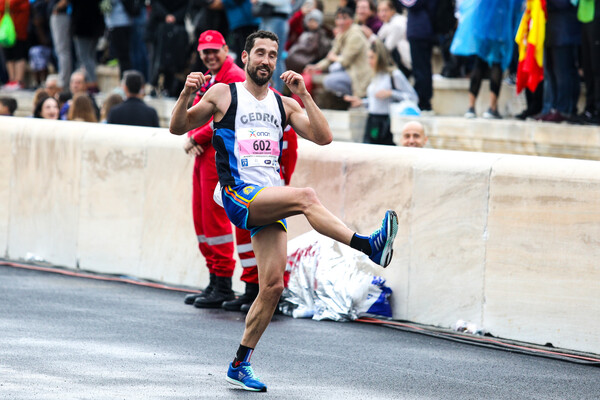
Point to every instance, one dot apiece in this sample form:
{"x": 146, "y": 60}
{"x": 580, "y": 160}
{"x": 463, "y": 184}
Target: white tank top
{"x": 248, "y": 139}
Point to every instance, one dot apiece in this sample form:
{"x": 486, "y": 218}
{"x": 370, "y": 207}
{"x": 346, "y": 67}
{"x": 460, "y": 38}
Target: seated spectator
{"x": 47, "y": 109}
{"x": 413, "y": 135}
{"x": 53, "y": 85}
{"x": 133, "y": 111}
{"x": 367, "y": 18}
{"x": 388, "y": 85}
{"x": 63, "y": 98}
{"x": 349, "y": 72}
{"x": 312, "y": 45}
{"x": 110, "y": 102}
{"x": 77, "y": 85}
{"x": 8, "y": 106}
{"x": 393, "y": 35}
{"x": 296, "y": 22}
{"x": 82, "y": 109}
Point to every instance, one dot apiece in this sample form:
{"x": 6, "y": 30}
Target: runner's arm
{"x": 313, "y": 125}
{"x": 182, "y": 119}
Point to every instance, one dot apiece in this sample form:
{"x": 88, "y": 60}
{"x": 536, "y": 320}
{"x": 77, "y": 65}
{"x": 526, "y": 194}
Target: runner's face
{"x": 214, "y": 59}
{"x": 261, "y": 61}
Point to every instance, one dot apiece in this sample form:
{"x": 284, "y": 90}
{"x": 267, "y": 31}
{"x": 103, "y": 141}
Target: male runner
{"x": 213, "y": 229}
{"x": 248, "y": 121}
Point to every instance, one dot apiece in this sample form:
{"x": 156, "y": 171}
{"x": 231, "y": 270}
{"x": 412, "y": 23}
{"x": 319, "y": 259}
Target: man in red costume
{"x": 213, "y": 229}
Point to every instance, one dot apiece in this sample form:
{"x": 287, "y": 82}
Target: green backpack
{"x": 8, "y": 34}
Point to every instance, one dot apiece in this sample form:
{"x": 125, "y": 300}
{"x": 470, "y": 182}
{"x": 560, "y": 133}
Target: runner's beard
{"x": 260, "y": 81}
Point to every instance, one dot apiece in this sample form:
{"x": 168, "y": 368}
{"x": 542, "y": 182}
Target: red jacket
{"x": 19, "y": 12}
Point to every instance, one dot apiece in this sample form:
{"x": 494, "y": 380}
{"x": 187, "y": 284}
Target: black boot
{"x": 191, "y": 298}
{"x": 247, "y": 298}
{"x": 222, "y": 292}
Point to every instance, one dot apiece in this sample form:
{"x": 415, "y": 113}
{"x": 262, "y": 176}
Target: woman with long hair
{"x": 388, "y": 85}
{"x": 111, "y": 101}
{"x": 82, "y": 109}
{"x": 46, "y": 108}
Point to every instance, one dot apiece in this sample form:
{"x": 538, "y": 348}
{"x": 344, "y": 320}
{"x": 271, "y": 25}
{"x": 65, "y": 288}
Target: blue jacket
{"x": 239, "y": 14}
{"x": 420, "y": 14}
{"x": 562, "y": 28}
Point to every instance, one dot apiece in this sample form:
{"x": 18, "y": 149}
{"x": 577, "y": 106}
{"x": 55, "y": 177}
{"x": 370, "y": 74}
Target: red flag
{"x": 530, "y": 39}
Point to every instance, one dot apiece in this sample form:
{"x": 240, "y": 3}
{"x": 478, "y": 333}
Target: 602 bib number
{"x": 262, "y": 145}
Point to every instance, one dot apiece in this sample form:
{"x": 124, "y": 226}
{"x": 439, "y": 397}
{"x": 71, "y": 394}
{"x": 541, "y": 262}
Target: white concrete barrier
{"x": 507, "y": 242}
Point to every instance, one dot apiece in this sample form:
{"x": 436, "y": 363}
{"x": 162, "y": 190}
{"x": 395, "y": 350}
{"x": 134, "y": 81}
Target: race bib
{"x": 259, "y": 147}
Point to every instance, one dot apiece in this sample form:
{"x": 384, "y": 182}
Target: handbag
{"x": 8, "y": 34}
{"x": 261, "y": 9}
{"x": 377, "y": 129}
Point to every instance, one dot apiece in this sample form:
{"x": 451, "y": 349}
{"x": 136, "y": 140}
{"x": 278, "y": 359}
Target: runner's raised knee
{"x": 308, "y": 198}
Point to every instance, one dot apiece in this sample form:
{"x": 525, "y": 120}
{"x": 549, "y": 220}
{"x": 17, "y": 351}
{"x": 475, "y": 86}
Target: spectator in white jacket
{"x": 393, "y": 35}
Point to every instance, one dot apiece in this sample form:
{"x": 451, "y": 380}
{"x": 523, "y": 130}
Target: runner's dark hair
{"x": 259, "y": 35}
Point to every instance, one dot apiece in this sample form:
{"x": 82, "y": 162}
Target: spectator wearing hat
{"x": 133, "y": 111}
{"x": 213, "y": 229}
{"x": 312, "y": 45}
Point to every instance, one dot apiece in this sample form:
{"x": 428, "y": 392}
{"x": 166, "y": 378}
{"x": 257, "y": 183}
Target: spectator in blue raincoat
{"x": 487, "y": 29}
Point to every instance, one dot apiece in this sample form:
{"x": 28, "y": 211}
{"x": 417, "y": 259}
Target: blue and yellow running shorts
{"x": 237, "y": 199}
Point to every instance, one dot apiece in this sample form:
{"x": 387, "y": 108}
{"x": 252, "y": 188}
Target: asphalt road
{"x": 64, "y": 337}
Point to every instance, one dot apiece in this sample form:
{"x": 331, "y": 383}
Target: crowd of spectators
{"x": 154, "y": 37}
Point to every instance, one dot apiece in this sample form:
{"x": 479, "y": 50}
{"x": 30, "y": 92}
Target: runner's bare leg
{"x": 275, "y": 203}
{"x": 270, "y": 249}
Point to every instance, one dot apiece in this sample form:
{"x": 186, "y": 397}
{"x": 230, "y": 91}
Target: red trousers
{"x": 213, "y": 229}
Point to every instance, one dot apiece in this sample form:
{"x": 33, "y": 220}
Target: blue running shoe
{"x": 244, "y": 376}
{"x": 382, "y": 240}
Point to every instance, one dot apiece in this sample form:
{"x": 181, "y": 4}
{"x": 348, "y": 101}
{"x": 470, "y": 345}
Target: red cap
{"x": 210, "y": 40}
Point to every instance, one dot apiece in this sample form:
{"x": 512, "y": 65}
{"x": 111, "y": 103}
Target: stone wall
{"x": 507, "y": 242}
